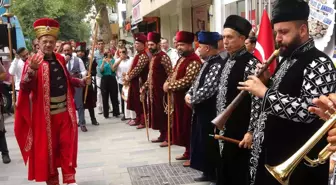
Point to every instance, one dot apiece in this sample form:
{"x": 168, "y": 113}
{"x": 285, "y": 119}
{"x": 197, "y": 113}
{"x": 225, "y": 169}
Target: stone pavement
{"x": 104, "y": 154}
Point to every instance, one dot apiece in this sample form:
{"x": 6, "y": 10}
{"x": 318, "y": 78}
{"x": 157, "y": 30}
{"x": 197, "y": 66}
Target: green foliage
{"x": 69, "y": 13}
{"x": 104, "y": 2}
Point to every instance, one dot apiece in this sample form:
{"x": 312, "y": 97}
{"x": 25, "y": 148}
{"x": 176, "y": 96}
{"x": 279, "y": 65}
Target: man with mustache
{"x": 238, "y": 66}
{"x": 202, "y": 98}
{"x": 47, "y": 133}
{"x": 284, "y": 123}
{"x": 160, "y": 68}
{"x": 76, "y": 69}
{"x": 91, "y": 98}
{"x": 178, "y": 83}
{"x": 135, "y": 77}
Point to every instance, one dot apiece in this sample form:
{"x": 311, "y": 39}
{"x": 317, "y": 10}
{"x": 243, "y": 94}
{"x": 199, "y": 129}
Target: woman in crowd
{"x": 121, "y": 66}
{"x": 109, "y": 86}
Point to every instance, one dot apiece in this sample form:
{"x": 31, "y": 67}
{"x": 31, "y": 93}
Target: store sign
{"x": 200, "y": 18}
{"x": 2, "y": 3}
{"x": 321, "y": 21}
{"x": 136, "y": 16}
{"x": 252, "y": 17}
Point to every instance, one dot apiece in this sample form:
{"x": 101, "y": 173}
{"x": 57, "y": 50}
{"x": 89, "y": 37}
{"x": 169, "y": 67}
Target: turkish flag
{"x": 265, "y": 41}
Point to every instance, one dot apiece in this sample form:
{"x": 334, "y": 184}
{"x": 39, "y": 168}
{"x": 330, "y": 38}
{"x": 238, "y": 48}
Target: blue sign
{"x": 2, "y": 9}
{"x": 14, "y": 20}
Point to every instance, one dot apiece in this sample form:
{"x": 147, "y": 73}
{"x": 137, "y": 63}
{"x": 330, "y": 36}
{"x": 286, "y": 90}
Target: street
{"x": 106, "y": 154}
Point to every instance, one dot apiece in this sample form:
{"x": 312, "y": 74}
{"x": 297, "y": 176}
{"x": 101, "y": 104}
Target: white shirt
{"x": 123, "y": 67}
{"x": 173, "y": 55}
{"x": 81, "y": 65}
{"x": 16, "y": 69}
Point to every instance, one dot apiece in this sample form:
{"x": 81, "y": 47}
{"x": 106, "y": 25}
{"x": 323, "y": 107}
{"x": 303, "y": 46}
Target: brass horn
{"x": 283, "y": 171}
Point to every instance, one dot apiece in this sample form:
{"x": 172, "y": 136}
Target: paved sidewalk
{"x": 105, "y": 152}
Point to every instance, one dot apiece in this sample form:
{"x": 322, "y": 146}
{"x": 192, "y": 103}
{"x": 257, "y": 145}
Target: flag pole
{"x": 265, "y": 4}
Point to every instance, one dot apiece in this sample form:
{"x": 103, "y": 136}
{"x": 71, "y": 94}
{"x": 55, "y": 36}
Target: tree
{"x": 69, "y": 13}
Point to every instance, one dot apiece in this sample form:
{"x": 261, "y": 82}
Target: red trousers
{"x": 61, "y": 142}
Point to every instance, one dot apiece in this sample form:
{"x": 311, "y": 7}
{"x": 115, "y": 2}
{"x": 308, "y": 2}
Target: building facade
{"x": 170, "y": 16}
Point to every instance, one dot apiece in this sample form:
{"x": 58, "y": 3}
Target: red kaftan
{"x": 184, "y": 74}
{"x": 138, "y": 72}
{"x": 34, "y": 129}
{"x": 160, "y": 68}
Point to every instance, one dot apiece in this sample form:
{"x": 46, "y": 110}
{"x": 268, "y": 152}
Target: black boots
{"x": 5, "y": 158}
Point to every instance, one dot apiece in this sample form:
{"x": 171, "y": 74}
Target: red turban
{"x": 154, "y": 37}
{"x": 46, "y": 26}
{"x": 140, "y": 37}
{"x": 184, "y": 36}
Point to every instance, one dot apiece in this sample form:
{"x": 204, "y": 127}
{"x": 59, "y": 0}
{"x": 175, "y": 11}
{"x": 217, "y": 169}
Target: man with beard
{"x": 16, "y": 67}
{"x": 160, "y": 68}
{"x": 202, "y": 98}
{"x": 76, "y": 69}
{"x": 47, "y": 133}
{"x": 136, "y": 77}
{"x": 239, "y": 65}
{"x": 284, "y": 123}
{"x": 178, "y": 83}
{"x": 91, "y": 97}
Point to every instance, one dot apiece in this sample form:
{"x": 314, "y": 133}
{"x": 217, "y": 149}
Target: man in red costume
{"x": 160, "y": 68}
{"x": 178, "y": 83}
{"x": 136, "y": 76}
{"x": 46, "y": 131}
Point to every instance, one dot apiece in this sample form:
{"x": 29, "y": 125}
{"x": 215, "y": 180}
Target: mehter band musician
{"x": 284, "y": 123}
{"x": 47, "y": 134}
{"x": 160, "y": 68}
{"x": 138, "y": 73}
{"x": 239, "y": 65}
{"x": 178, "y": 83}
{"x": 202, "y": 98}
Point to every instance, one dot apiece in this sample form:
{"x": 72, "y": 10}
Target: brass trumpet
{"x": 283, "y": 171}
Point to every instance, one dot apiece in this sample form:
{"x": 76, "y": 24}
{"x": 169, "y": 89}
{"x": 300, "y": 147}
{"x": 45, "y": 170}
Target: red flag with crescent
{"x": 265, "y": 41}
